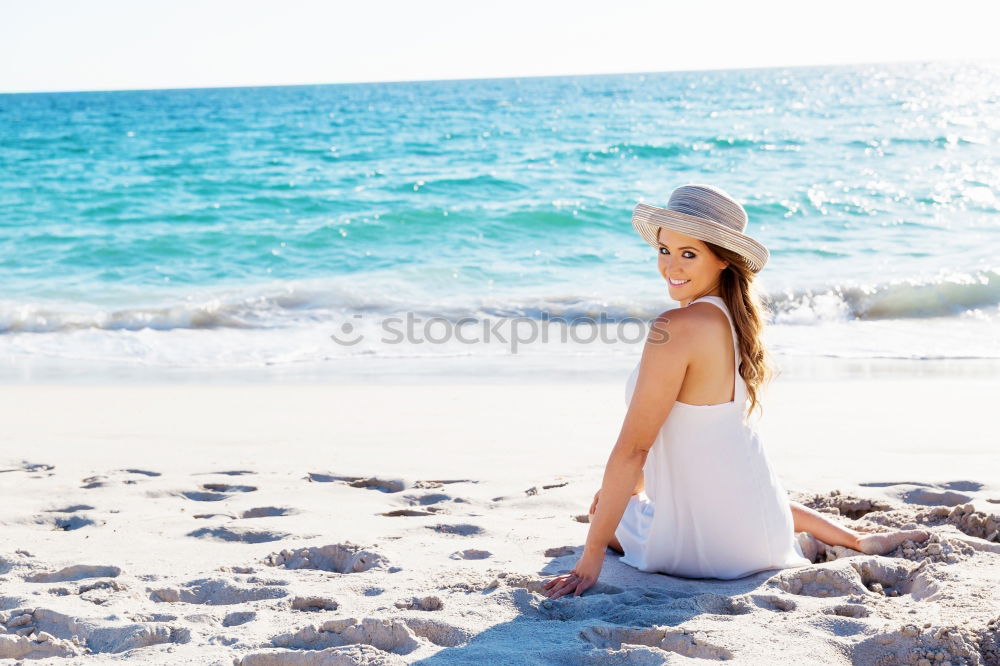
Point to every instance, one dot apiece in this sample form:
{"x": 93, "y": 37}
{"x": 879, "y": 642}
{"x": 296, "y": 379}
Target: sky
{"x": 73, "y": 45}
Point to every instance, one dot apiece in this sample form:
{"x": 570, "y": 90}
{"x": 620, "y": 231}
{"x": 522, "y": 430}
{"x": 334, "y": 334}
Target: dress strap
{"x": 739, "y": 387}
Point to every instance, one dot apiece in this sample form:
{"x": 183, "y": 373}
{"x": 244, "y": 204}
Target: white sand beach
{"x": 383, "y": 524}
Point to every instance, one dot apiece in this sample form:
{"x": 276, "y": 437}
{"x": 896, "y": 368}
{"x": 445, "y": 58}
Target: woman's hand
{"x": 593, "y": 506}
{"x": 583, "y": 576}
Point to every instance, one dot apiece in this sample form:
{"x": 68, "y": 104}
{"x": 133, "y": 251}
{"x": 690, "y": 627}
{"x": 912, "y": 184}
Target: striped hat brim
{"x": 646, "y": 219}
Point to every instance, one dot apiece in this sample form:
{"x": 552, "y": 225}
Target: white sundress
{"x": 712, "y": 507}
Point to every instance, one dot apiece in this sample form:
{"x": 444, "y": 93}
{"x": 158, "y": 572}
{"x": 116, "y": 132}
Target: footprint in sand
{"x": 820, "y": 582}
{"x": 950, "y": 493}
{"x": 339, "y": 557}
{"x": 385, "y": 485}
{"x": 267, "y": 512}
{"x": 372, "y": 482}
{"x": 634, "y": 606}
{"x": 238, "y": 534}
{"x": 237, "y": 618}
{"x": 774, "y": 602}
{"x": 65, "y": 523}
{"x": 228, "y": 488}
{"x": 848, "y": 610}
{"x": 720, "y": 604}
{"x": 233, "y": 472}
{"x": 843, "y": 504}
{"x": 398, "y": 636}
{"x": 313, "y": 604}
{"x": 71, "y": 509}
{"x": 411, "y": 512}
{"x": 430, "y": 499}
{"x": 98, "y": 481}
{"x": 421, "y": 603}
{"x": 100, "y": 592}
{"x": 883, "y": 484}
{"x": 216, "y": 492}
{"x": 256, "y": 512}
{"x": 152, "y": 617}
{"x": 74, "y": 572}
{"x": 860, "y": 576}
{"x": 37, "y": 470}
{"x": 440, "y": 483}
{"x": 215, "y": 592}
{"x": 425, "y": 505}
{"x": 37, "y": 629}
{"x": 560, "y": 551}
{"x": 102, "y": 480}
{"x": 680, "y": 641}
{"x": 933, "y": 497}
{"x": 206, "y": 516}
{"x": 464, "y": 529}
{"x": 963, "y": 486}
{"x": 471, "y": 554}
{"x": 534, "y": 490}
{"x": 202, "y": 496}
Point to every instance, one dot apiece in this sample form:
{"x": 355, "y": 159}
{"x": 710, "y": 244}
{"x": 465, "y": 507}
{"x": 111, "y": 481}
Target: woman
{"x": 688, "y": 489}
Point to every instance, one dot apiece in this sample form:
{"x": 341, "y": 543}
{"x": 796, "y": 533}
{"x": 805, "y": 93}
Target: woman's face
{"x": 688, "y": 266}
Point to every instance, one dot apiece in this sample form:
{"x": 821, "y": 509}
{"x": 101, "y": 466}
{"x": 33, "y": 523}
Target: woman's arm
{"x": 661, "y": 373}
{"x": 640, "y": 483}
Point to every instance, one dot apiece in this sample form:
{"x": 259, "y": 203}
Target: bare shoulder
{"x": 673, "y": 331}
{"x": 688, "y": 329}
{"x": 691, "y": 318}
{"x": 708, "y": 318}
{"x": 704, "y": 311}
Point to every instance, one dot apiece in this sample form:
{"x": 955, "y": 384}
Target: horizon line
{"x": 505, "y": 77}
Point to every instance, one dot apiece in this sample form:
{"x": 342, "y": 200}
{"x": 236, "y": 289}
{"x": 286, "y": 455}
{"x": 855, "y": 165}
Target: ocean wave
{"x": 949, "y": 296}
{"x": 291, "y": 304}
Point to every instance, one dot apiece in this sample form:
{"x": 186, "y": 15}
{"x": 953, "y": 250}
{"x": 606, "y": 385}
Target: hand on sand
{"x": 583, "y": 576}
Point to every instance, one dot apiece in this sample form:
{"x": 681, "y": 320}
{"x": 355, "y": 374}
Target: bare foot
{"x": 885, "y": 542}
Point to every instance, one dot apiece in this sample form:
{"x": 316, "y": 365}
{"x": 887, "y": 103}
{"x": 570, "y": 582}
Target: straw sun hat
{"x": 706, "y": 213}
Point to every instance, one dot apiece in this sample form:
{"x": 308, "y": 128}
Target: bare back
{"x": 709, "y": 378}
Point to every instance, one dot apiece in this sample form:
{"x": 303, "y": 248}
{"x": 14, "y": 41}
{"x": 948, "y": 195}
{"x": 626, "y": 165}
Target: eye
{"x": 688, "y": 254}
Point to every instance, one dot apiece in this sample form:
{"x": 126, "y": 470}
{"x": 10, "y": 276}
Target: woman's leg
{"x": 829, "y": 532}
{"x": 821, "y": 527}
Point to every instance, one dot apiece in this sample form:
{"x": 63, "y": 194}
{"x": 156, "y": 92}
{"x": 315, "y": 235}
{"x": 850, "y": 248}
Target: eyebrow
{"x": 686, "y": 247}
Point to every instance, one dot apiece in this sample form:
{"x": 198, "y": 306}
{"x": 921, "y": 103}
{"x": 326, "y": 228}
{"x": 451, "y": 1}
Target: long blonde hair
{"x": 736, "y": 283}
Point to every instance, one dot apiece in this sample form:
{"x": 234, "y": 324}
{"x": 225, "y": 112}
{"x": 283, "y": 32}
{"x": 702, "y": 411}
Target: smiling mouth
{"x": 677, "y": 283}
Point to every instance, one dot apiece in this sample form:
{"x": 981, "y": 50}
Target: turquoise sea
{"x": 242, "y": 227}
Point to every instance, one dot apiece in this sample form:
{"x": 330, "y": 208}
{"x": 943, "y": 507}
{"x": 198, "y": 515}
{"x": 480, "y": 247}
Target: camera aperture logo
{"x": 515, "y": 332}
{"x": 349, "y": 336}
